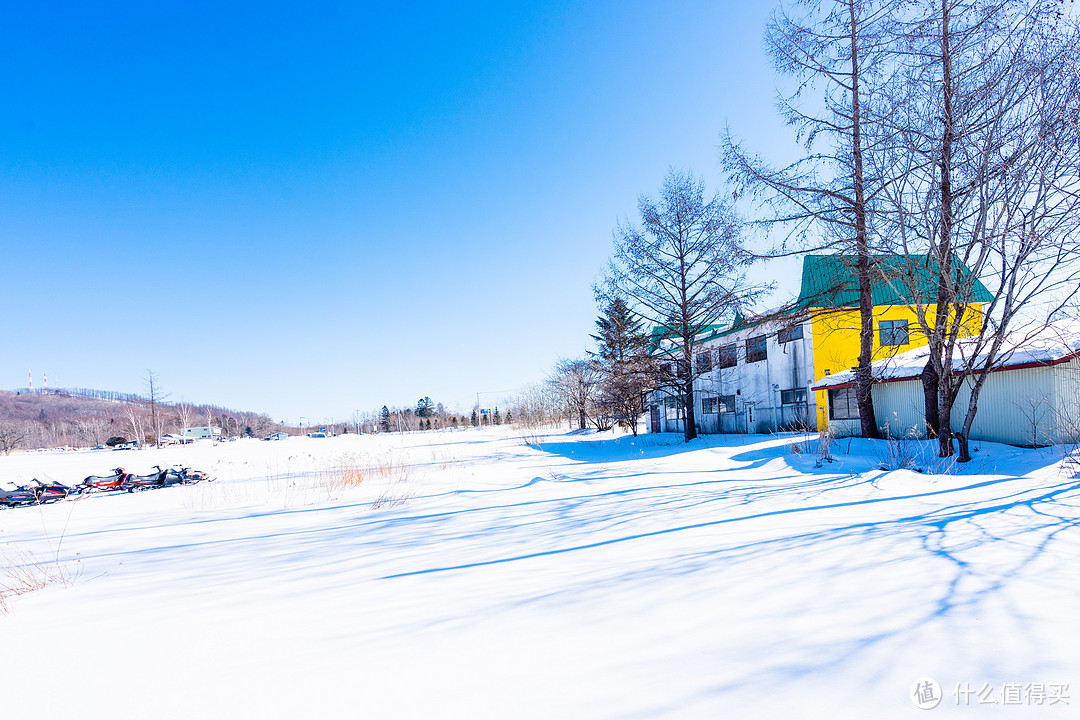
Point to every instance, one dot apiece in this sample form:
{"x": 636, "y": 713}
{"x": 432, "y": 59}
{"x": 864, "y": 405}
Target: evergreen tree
{"x": 384, "y": 419}
{"x": 425, "y": 407}
{"x": 474, "y": 420}
{"x": 497, "y": 419}
{"x": 628, "y": 370}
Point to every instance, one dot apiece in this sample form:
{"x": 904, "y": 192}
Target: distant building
{"x": 196, "y": 433}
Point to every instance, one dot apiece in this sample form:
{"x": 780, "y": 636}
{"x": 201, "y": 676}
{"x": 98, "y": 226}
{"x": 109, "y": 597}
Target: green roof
{"x": 831, "y": 281}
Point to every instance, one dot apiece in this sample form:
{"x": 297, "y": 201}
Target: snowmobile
{"x": 164, "y": 478}
{"x": 21, "y": 495}
{"x": 152, "y": 481}
{"x": 34, "y": 492}
{"x": 51, "y": 491}
{"x": 190, "y": 477}
{"x": 101, "y": 483}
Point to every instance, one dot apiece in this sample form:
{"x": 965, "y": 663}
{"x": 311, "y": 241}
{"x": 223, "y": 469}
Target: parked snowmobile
{"x": 101, "y": 483}
{"x": 151, "y": 481}
{"x": 164, "y": 478}
{"x": 51, "y": 491}
{"x": 34, "y": 492}
{"x": 21, "y": 495}
{"x": 191, "y": 477}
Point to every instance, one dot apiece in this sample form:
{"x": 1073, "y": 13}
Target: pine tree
{"x": 497, "y": 420}
{"x": 474, "y": 420}
{"x": 628, "y": 369}
{"x": 384, "y": 419}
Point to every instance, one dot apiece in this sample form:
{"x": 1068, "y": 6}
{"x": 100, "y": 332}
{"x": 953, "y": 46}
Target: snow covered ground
{"x": 470, "y": 574}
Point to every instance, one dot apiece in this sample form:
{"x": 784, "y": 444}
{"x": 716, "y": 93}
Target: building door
{"x": 654, "y": 418}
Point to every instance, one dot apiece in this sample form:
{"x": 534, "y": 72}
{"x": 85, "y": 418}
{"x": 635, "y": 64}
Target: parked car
{"x": 277, "y": 436}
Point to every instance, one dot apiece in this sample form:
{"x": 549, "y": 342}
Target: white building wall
{"x": 757, "y": 386}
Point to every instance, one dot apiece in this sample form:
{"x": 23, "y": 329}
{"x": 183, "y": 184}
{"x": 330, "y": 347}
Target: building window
{"x": 843, "y": 404}
{"x": 756, "y": 349}
{"x": 729, "y": 356}
{"x": 795, "y": 396}
{"x": 710, "y": 405}
{"x": 727, "y": 403}
{"x": 893, "y": 332}
{"x": 789, "y": 334}
{"x": 704, "y": 361}
{"x": 671, "y": 409}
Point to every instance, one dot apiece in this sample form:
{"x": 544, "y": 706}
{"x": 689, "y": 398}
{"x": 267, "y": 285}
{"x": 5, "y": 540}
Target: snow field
{"x": 471, "y": 575}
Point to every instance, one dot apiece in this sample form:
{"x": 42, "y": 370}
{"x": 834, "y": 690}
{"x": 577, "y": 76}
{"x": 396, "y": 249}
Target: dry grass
{"x": 21, "y": 573}
{"x": 351, "y": 471}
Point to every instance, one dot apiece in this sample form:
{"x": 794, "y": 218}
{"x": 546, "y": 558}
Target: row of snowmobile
{"x": 37, "y": 492}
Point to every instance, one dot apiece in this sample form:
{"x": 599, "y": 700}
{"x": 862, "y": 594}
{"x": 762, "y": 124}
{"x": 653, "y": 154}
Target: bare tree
{"x": 12, "y": 435}
{"x": 576, "y": 381}
{"x": 832, "y": 50}
{"x": 185, "y": 413}
{"x": 135, "y": 420}
{"x": 985, "y": 112}
{"x": 683, "y": 270}
{"x": 153, "y": 387}
{"x": 94, "y": 429}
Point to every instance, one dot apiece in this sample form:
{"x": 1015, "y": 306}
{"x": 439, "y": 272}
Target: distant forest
{"x": 80, "y": 417}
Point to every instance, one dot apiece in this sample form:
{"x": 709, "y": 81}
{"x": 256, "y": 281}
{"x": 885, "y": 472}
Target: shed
{"x": 1031, "y": 398}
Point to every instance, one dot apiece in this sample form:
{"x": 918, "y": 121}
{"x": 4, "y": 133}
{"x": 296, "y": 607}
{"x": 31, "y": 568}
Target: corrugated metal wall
{"x": 1027, "y": 406}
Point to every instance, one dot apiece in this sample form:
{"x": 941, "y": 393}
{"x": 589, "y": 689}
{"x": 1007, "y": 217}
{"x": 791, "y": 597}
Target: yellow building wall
{"x": 836, "y": 339}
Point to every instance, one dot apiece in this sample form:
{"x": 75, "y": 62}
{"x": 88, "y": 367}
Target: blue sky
{"x": 311, "y": 209}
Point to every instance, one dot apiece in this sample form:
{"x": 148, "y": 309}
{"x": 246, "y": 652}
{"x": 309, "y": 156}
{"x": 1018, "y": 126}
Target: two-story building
{"x": 757, "y": 374}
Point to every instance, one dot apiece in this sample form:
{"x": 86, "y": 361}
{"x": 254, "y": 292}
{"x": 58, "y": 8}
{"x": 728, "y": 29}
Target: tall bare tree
{"x": 185, "y": 414}
{"x": 682, "y": 270}
{"x": 983, "y": 109}
{"x": 832, "y": 51}
{"x": 153, "y": 388}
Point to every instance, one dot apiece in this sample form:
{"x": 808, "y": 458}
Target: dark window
{"x": 789, "y": 334}
{"x": 727, "y": 403}
{"x": 893, "y": 332}
{"x": 729, "y": 355}
{"x": 794, "y": 396}
{"x": 843, "y": 404}
{"x": 710, "y": 405}
{"x": 704, "y": 361}
{"x": 756, "y": 349}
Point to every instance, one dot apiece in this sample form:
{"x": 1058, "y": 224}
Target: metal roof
{"x": 832, "y": 281}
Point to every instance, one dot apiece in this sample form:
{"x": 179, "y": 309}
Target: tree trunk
{"x": 944, "y": 424}
{"x": 963, "y": 455}
{"x": 863, "y": 375}
{"x": 690, "y": 428}
{"x": 944, "y": 255}
{"x": 930, "y": 400}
